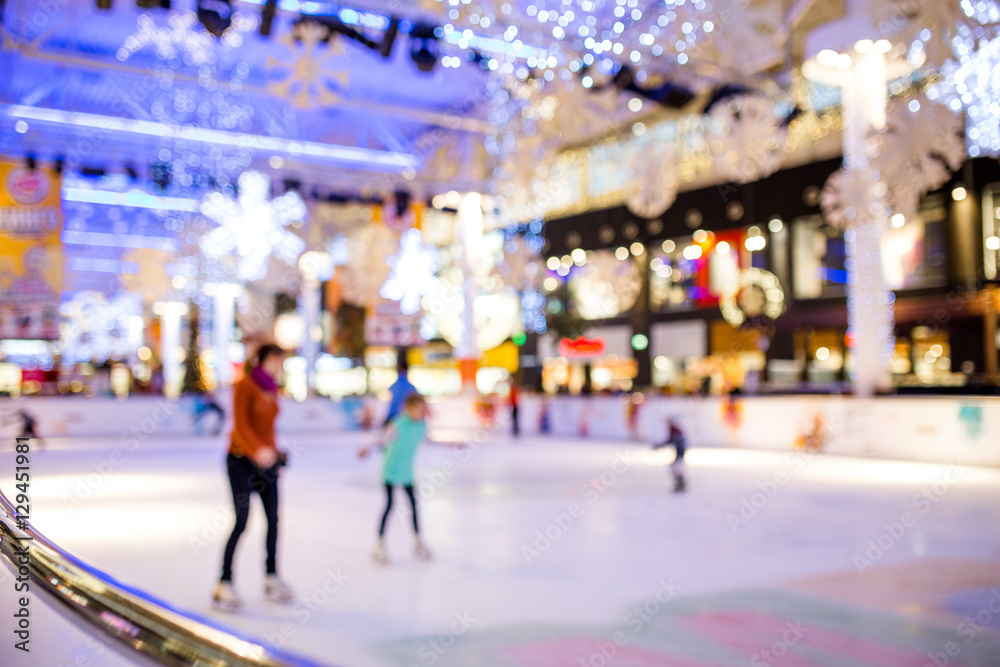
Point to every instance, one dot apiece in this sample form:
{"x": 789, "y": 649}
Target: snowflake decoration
{"x": 652, "y": 186}
{"x": 368, "y": 251}
{"x": 215, "y": 101}
{"x": 251, "y": 228}
{"x": 605, "y": 286}
{"x": 920, "y": 147}
{"x": 750, "y": 139}
{"x": 184, "y": 37}
{"x": 413, "y": 269}
{"x": 311, "y": 72}
{"x": 150, "y": 281}
{"x": 973, "y": 82}
{"x": 96, "y": 328}
{"x": 939, "y": 29}
{"x": 850, "y": 196}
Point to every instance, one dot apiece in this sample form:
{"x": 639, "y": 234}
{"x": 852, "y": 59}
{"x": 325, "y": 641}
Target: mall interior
{"x": 676, "y": 320}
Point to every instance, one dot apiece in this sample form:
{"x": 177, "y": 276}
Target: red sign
{"x": 582, "y": 348}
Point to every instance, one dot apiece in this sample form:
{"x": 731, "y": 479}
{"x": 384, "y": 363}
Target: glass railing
{"x": 144, "y": 629}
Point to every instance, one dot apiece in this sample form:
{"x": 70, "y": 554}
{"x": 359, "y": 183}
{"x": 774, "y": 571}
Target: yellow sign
{"x": 502, "y": 356}
{"x": 31, "y": 260}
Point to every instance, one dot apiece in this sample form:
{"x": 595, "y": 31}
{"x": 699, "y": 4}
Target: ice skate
{"x": 420, "y": 551}
{"x": 276, "y": 590}
{"x": 224, "y": 597}
{"x": 378, "y": 555}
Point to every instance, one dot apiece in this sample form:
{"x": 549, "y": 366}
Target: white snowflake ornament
{"x": 605, "y": 286}
{"x": 850, "y": 196}
{"x": 252, "y": 228}
{"x": 749, "y": 138}
{"x": 652, "y": 185}
{"x": 412, "y": 276}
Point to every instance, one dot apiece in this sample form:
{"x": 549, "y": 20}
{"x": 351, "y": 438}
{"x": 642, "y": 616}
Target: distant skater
{"x": 400, "y": 390}
{"x": 28, "y": 427}
{"x": 676, "y": 438}
{"x": 401, "y": 440}
{"x": 514, "y": 400}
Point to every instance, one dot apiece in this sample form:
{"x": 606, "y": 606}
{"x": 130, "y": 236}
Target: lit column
{"x": 314, "y": 267}
{"x": 223, "y": 317}
{"x": 862, "y": 70}
{"x": 171, "y": 313}
{"x": 469, "y": 222}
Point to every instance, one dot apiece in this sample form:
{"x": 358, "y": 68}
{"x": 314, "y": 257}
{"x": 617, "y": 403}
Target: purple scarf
{"x": 263, "y": 380}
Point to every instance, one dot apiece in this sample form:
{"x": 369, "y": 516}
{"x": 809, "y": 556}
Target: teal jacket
{"x": 397, "y": 467}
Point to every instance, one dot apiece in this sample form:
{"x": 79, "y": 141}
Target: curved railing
{"x": 146, "y": 630}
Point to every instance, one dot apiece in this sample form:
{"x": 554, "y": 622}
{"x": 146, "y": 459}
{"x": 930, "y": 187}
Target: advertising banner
{"x": 31, "y": 262}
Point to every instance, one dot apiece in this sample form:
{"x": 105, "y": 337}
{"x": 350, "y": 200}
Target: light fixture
{"x": 640, "y": 342}
{"x": 897, "y": 220}
{"x": 775, "y": 225}
{"x": 376, "y": 160}
{"x": 959, "y": 193}
{"x": 993, "y": 243}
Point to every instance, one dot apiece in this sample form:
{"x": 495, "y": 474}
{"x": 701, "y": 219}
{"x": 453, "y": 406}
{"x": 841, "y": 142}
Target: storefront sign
{"x": 582, "y": 348}
{"x": 30, "y": 253}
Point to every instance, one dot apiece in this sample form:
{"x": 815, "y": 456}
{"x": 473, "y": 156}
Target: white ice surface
{"x": 159, "y": 520}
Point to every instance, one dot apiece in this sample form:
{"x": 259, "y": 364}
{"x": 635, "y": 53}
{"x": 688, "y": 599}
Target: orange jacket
{"x": 254, "y": 412}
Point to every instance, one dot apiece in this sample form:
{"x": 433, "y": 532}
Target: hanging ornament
{"x": 652, "y": 185}
{"x": 368, "y": 251}
{"x": 317, "y": 61}
{"x": 412, "y": 272}
{"x": 605, "y": 286}
{"x": 251, "y": 228}
{"x": 748, "y": 139}
{"x": 845, "y": 198}
{"x": 917, "y": 151}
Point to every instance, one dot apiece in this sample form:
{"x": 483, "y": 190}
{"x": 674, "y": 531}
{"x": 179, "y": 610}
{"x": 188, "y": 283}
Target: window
{"x": 817, "y": 259}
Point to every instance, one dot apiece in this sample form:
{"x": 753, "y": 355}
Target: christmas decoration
{"x": 194, "y": 376}
{"x": 96, "y": 328}
{"x": 251, "y": 227}
{"x": 917, "y": 151}
{"x": 748, "y": 137}
{"x": 412, "y": 272}
{"x": 150, "y": 280}
{"x": 605, "y": 286}
{"x": 318, "y": 61}
{"x": 743, "y": 46}
{"x": 758, "y": 295}
{"x": 368, "y": 251}
{"x": 652, "y": 186}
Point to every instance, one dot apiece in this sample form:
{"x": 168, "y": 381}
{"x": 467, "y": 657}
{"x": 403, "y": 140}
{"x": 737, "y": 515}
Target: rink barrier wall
{"x": 920, "y": 428}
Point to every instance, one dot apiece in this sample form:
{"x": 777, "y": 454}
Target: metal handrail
{"x": 142, "y": 627}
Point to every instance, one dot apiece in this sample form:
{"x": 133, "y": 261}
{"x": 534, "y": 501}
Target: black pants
{"x": 388, "y": 507}
{"x": 515, "y": 427}
{"x": 245, "y": 478}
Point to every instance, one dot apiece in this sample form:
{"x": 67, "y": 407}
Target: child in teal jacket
{"x": 404, "y": 435}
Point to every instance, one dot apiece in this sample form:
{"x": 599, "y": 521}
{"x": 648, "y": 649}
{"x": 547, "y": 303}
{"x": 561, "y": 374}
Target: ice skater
{"x": 675, "y": 437}
{"x": 400, "y": 390}
{"x": 28, "y": 426}
{"x": 253, "y": 464}
{"x": 405, "y": 433}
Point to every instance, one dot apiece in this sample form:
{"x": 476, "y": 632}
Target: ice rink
{"x": 546, "y": 552}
